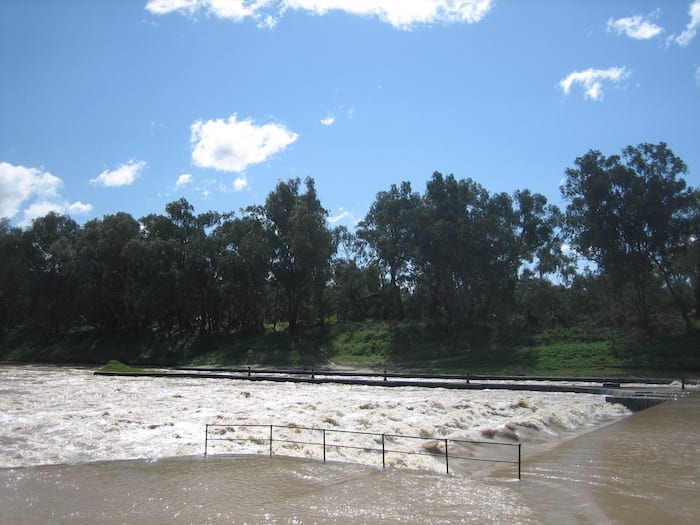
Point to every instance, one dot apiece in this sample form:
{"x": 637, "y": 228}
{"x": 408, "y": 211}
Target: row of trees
{"x": 456, "y": 254}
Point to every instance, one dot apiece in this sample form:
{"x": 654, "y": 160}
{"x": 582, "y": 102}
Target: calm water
{"x": 639, "y": 469}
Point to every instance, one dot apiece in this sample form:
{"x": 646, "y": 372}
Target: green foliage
{"x": 634, "y": 216}
{"x": 454, "y": 277}
{"x": 118, "y": 366}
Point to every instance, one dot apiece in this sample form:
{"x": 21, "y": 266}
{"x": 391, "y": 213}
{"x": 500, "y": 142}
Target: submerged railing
{"x": 320, "y": 443}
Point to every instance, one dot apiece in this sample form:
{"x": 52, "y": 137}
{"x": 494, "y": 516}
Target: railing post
{"x": 324, "y": 445}
{"x": 383, "y": 460}
{"x": 682, "y": 383}
{"x": 385, "y": 371}
{"x": 270, "y": 440}
{"x": 519, "y": 460}
{"x": 248, "y": 371}
{"x": 206, "y": 439}
{"x": 447, "y": 459}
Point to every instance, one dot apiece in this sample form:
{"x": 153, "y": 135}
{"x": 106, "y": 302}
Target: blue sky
{"x": 125, "y": 105}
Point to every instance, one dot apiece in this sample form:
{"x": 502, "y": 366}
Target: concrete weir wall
{"x": 634, "y": 393}
{"x": 638, "y": 403}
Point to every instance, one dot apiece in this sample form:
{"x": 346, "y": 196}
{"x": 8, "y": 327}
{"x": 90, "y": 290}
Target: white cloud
{"x": 78, "y": 208}
{"x": 343, "y": 215}
{"x": 183, "y": 180}
{"x": 124, "y": 175}
{"x": 41, "y": 208}
{"x": 638, "y": 27}
{"x": 592, "y": 80}
{"x": 236, "y": 10}
{"x": 398, "y": 13}
{"x": 328, "y": 120}
{"x": 402, "y": 14}
{"x": 19, "y": 184}
{"x": 33, "y": 192}
{"x": 233, "y": 145}
{"x": 240, "y": 183}
{"x": 691, "y": 30}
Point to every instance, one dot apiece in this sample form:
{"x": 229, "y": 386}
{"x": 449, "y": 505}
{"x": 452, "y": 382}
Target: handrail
{"x": 386, "y": 374}
{"x": 267, "y": 436}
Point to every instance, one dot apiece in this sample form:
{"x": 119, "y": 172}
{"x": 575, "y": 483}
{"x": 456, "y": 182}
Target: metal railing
{"x": 320, "y": 443}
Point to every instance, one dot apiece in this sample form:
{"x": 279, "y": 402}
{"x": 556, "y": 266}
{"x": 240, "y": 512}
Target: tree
{"x": 52, "y": 264}
{"x": 389, "y": 228}
{"x": 14, "y": 275}
{"x": 302, "y": 247}
{"x": 184, "y": 254}
{"x": 633, "y": 216}
{"x": 245, "y": 254}
{"x": 104, "y": 267}
{"x": 356, "y": 283}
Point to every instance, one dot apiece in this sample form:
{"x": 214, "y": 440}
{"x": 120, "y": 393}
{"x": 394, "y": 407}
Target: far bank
{"x": 397, "y": 346}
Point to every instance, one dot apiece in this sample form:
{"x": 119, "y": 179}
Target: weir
{"x": 634, "y": 393}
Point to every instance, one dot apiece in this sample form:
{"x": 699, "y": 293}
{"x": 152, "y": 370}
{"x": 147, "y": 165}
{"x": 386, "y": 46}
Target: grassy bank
{"x": 401, "y": 346}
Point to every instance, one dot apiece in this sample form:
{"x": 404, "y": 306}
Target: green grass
{"x": 117, "y": 366}
{"x": 399, "y": 346}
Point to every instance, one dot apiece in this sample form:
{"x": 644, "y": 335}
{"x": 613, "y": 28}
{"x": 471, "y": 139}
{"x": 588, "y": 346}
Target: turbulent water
{"x": 72, "y": 416}
{"x": 63, "y": 430}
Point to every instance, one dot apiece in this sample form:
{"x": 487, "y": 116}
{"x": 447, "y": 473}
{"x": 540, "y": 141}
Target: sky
{"x": 113, "y": 106}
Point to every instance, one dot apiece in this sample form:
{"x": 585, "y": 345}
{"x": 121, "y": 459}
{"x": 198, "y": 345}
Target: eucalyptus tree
{"x": 389, "y": 229}
{"x": 471, "y": 246}
{"x": 302, "y": 248}
{"x": 633, "y": 214}
{"x": 186, "y": 267}
{"x": 244, "y": 264}
{"x": 104, "y": 296}
{"x": 355, "y": 288}
{"x": 14, "y": 275}
{"x": 52, "y": 265}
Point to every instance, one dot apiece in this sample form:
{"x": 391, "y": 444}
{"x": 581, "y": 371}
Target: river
{"x": 83, "y": 449}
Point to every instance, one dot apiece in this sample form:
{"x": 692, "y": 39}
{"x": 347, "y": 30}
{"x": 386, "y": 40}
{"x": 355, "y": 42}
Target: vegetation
{"x": 117, "y": 366}
{"x": 454, "y": 278}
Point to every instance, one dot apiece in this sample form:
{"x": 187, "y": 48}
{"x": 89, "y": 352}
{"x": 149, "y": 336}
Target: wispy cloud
{"x": 592, "y": 80}
{"x": 183, "y": 180}
{"x": 124, "y": 175}
{"x": 639, "y": 27}
{"x": 233, "y": 145}
{"x": 240, "y": 183}
{"x": 342, "y": 215}
{"x": 42, "y": 208}
{"x": 697, "y": 76}
{"x": 400, "y": 14}
{"x": 328, "y": 120}
{"x": 35, "y": 190}
{"x": 691, "y": 30}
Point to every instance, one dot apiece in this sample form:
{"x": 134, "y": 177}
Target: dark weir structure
{"x": 635, "y": 393}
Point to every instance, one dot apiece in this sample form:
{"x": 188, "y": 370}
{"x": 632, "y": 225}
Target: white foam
{"x": 59, "y": 415}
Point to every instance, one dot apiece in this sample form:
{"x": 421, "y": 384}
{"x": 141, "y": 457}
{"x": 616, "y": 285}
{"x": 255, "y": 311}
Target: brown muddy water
{"x": 640, "y": 469}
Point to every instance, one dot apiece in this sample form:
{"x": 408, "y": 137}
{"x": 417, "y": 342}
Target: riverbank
{"x": 371, "y": 345}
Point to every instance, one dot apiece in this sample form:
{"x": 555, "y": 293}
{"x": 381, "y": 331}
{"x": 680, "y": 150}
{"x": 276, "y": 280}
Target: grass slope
{"x": 399, "y": 346}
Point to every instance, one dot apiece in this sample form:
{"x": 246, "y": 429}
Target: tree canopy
{"x": 455, "y": 255}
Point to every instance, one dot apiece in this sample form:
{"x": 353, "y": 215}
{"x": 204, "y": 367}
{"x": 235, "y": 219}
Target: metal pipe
{"x": 447, "y": 460}
{"x": 383, "y": 460}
